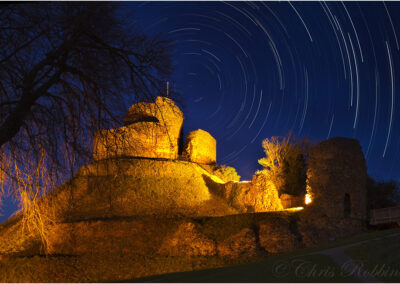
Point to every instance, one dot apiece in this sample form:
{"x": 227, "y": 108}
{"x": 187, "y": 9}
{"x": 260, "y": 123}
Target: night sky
{"x": 252, "y": 70}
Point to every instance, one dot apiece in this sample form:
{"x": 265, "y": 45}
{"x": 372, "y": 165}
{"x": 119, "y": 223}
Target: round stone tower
{"x": 336, "y": 179}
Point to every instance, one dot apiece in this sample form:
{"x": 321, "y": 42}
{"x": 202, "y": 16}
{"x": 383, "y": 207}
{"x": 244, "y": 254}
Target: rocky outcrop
{"x": 336, "y": 179}
{"x": 151, "y": 130}
{"x": 200, "y": 147}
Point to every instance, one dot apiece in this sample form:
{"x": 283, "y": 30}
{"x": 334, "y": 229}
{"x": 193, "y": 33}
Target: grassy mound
{"x": 127, "y": 218}
{"x": 132, "y": 187}
{"x": 116, "y": 188}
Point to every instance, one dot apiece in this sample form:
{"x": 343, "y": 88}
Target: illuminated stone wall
{"x": 200, "y": 147}
{"x": 151, "y": 130}
{"x": 336, "y": 179}
{"x": 117, "y": 249}
{"x": 259, "y": 195}
{"x": 164, "y": 110}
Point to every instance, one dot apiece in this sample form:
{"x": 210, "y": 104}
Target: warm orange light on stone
{"x": 294, "y": 209}
{"x": 200, "y": 147}
{"x": 151, "y": 130}
{"x": 308, "y": 198}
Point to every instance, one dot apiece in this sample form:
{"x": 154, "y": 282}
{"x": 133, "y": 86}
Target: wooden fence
{"x": 385, "y": 216}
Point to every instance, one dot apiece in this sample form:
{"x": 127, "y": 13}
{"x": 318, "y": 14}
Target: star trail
{"x": 251, "y": 70}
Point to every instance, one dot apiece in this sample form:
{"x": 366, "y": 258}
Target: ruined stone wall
{"x": 259, "y": 195}
{"x": 112, "y": 249}
{"x": 200, "y": 147}
{"x": 164, "y": 110}
{"x": 336, "y": 179}
{"x": 151, "y": 130}
{"x": 142, "y": 139}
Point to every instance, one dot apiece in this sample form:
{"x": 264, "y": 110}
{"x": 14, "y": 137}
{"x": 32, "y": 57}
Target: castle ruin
{"x": 336, "y": 179}
{"x": 141, "y": 204}
{"x": 336, "y": 168}
{"x": 151, "y": 130}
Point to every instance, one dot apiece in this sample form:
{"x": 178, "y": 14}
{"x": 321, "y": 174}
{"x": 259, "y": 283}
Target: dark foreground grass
{"x": 309, "y": 268}
{"x": 303, "y": 265}
{"x": 380, "y": 257}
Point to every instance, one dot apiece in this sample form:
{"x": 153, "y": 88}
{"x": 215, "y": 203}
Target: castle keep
{"x": 151, "y": 130}
{"x": 337, "y": 177}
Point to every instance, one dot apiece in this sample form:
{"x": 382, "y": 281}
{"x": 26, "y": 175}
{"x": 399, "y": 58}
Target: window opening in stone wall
{"x": 347, "y": 205}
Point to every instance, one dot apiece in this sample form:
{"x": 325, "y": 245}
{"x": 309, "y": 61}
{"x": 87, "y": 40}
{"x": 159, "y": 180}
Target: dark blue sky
{"x": 251, "y": 70}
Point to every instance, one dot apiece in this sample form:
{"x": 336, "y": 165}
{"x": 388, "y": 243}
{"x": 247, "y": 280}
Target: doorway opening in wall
{"x": 347, "y": 205}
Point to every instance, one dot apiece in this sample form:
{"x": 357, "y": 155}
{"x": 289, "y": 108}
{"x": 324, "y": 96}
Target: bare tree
{"x": 67, "y": 70}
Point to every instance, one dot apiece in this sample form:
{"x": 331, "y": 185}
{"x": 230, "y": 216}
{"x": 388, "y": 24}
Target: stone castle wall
{"x": 200, "y": 147}
{"x": 152, "y": 130}
{"x": 336, "y": 179}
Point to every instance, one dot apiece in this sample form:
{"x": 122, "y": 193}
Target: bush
{"x": 226, "y": 173}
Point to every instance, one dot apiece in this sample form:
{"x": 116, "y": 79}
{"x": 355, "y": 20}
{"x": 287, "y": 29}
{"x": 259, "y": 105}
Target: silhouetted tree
{"x": 382, "y": 194}
{"x": 67, "y": 70}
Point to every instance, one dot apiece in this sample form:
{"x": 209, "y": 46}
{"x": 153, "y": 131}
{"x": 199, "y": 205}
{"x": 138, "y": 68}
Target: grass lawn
{"x": 379, "y": 257}
{"x": 283, "y": 268}
{"x": 303, "y": 265}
